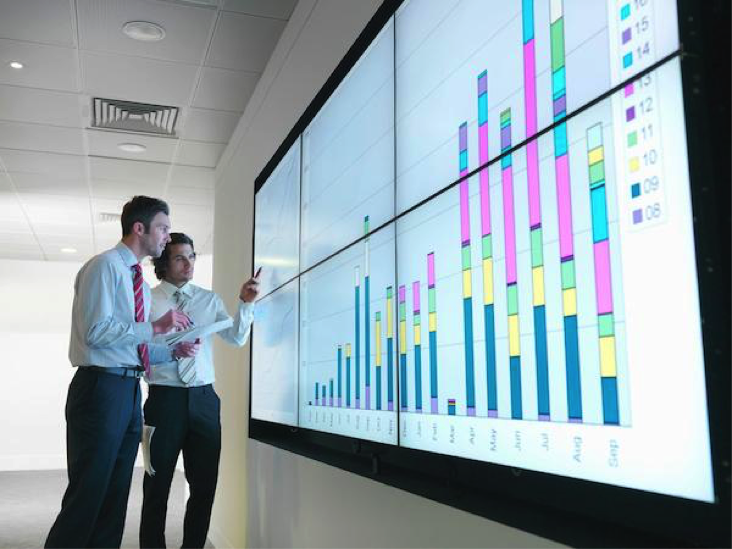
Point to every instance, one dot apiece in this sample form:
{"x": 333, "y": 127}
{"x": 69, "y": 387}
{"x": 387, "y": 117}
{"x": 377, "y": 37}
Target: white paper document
{"x": 191, "y": 334}
{"x": 147, "y": 433}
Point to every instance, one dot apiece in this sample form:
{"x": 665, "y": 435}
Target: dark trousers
{"x": 103, "y": 427}
{"x": 188, "y": 420}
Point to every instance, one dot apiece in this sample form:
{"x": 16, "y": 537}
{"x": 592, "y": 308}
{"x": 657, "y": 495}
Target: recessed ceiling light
{"x": 144, "y": 30}
{"x": 132, "y": 147}
{"x": 16, "y": 65}
{"x": 69, "y": 250}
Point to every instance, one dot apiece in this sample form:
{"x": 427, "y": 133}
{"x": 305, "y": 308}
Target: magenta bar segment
{"x": 564, "y": 199}
{"x": 530, "y": 87}
{"x": 602, "y": 277}
{"x": 510, "y": 224}
{"x": 431, "y": 269}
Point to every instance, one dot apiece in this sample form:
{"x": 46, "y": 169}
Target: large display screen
{"x": 497, "y": 255}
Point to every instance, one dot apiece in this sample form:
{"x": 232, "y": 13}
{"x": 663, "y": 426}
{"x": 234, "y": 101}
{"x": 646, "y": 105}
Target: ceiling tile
{"x": 18, "y": 239}
{"x": 244, "y": 42}
{"x": 20, "y": 104}
{"x": 52, "y": 244}
{"x": 281, "y": 9}
{"x": 186, "y": 28}
{"x": 48, "y": 21}
{"x": 49, "y": 184}
{"x": 26, "y": 254}
{"x": 105, "y": 143}
{"x": 196, "y": 153}
{"x": 125, "y": 190}
{"x": 127, "y": 170}
{"x": 191, "y": 196}
{"x": 224, "y": 89}
{"x": 48, "y": 67}
{"x": 16, "y": 135}
{"x": 137, "y": 79}
{"x": 56, "y": 214}
{"x": 192, "y": 176}
{"x": 209, "y": 125}
{"x": 62, "y": 165}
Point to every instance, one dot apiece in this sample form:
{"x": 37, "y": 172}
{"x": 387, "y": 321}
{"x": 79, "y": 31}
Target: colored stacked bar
{"x": 417, "y": 349}
{"x": 487, "y": 248}
{"x": 367, "y": 317}
{"x": 377, "y": 358}
{"x": 603, "y": 280}
{"x": 324, "y": 402}
{"x": 564, "y": 206}
{"x": 389, "y": 349}
{"x": 536, "y": 233}
{"x": 466, "y": 268}
{"x": 317, "y": 394}
{"x": 514, "y": 347}
{"x": 402, "y": 347}
{"x": 330, "y": 400}
{"x": 451, "y": 406}
{"x": 348, "y": 375}
{"x": 340, "y": 386}
{"x": 432, "y": 312}
{"x": 357, "y": 296}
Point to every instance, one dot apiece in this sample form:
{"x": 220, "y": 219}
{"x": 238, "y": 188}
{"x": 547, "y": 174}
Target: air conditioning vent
{"x": 108, "y": 217}
{"x": 112, "y": 114}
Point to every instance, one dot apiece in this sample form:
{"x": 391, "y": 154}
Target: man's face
{"x": 181, "y": 261}
{"x": 158, "y": 235}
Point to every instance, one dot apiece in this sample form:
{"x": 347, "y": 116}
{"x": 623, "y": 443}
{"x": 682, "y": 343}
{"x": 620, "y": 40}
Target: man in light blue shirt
{"x": 111, "y": 345}
{"x": 182, "y": 411}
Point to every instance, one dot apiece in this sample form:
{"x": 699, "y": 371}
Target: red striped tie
{"x": 142, "y": 349}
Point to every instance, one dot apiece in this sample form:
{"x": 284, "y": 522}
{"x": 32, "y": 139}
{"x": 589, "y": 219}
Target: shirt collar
{"x": 129, "y": 258}
{"x": 170, "y": 289}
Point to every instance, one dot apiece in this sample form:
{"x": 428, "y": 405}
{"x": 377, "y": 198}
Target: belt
{"x": 116, "y": 371}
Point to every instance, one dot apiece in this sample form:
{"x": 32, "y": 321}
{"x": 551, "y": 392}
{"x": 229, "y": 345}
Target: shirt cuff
{"x": 143, "y": 331}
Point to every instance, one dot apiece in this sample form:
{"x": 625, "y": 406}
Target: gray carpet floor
{"x": 30, "y": 500}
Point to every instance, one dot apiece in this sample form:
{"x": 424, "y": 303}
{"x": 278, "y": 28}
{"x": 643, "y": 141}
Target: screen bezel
{"x": 573, "y": 511}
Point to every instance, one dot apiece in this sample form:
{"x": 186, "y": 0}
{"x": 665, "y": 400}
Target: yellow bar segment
{"x": 488, "y": 281}
{"x": 607, "y": 357}
{"x": 595, "y": 155}
{"x": 418, "y": 335}
{"x": 570, "y": 301}
{"x": 538, "y": 274}
{"x": 389, "y": 319}
{"x": 433, "y": 322}
{"x": 514, "y": 347}
{"x": 467, "y": 284}
{"x": 403, "y": 338}
{"x": 348, "y": 349}
{"x": 378, "y": 343}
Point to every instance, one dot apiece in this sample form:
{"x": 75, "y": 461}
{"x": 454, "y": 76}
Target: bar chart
{"x": 347, "y": 335}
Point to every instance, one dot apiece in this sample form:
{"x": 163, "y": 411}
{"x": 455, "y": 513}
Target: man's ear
{"x": 138, "y": 227}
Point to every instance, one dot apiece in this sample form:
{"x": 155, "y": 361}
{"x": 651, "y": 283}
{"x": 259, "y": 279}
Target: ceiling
{"x": 58, "y": 176}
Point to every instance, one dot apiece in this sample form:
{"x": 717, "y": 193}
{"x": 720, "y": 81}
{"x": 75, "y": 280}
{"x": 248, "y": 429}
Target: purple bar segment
{"x": 434, "y": 406}
{"x": 506, "y": 137}
{"x": 560, "y": 105}
{"x": 463, "y": 136}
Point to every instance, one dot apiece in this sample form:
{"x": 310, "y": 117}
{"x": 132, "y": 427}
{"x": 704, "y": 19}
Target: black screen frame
{"x": 568, "y": 510}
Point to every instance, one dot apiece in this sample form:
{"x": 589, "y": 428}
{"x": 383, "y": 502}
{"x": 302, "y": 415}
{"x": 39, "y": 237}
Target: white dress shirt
{"x": 103, "y": 327}
{"x": 203, "y": 307}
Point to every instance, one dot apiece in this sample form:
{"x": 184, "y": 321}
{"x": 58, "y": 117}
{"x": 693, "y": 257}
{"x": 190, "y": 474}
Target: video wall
{"x": 482, "y": 246}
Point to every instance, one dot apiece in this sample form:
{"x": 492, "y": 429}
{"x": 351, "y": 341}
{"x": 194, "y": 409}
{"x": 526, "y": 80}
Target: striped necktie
{"x": 186, "y": 366}
{"x": 142, "y": 349}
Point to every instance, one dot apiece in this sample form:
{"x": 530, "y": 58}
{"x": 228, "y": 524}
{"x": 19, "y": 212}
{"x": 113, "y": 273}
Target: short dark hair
{"x": 161, "y": 263}
{"x": 141, "y": 209}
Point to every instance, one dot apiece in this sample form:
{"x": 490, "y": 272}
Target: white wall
{"x": 35, "y": 321}
{"x": 268, "y": 497}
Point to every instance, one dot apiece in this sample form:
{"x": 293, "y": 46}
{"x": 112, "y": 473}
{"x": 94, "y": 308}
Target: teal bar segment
{"x": 599, "y": 214}
{"x": 560, "y": 139}
{"x": 527, "y": 11}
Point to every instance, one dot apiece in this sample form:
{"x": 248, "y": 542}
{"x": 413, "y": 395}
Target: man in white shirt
{"x": 182, "y": 411}
{"x": 111, "y": 345}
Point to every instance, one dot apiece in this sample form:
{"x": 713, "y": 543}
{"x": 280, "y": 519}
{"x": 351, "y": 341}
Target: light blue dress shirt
{"x": 103, "y": 327}
{"x": 203, "y": 307}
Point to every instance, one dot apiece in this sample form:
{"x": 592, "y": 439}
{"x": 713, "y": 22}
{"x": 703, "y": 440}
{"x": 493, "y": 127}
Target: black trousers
{"x": 103, "y": 427}
{"x": 187, "y": 420}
